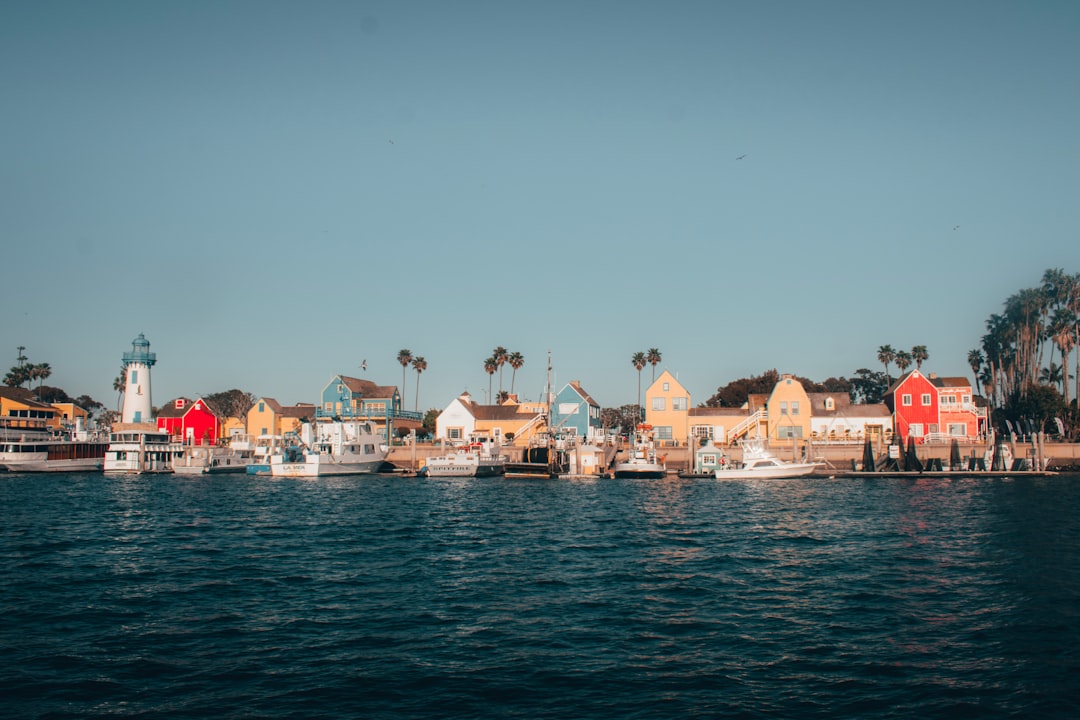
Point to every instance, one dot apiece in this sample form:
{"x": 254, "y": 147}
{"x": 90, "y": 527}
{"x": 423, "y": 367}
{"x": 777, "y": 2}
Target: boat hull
{"x": 643, "y": 471}
{"x": 770, "y": 473}
{"x": 323, "y": 467}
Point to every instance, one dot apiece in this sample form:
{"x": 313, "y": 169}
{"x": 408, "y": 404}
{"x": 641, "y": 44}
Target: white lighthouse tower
{"x": 137, "y": 364}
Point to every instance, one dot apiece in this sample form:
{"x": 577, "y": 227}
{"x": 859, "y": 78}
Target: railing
{"x": 744, "y": 426}
{"x": 348, "y": 413}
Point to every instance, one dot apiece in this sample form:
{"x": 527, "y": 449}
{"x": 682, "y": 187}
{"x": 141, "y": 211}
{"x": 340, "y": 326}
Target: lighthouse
{"x": 137, "y": 364}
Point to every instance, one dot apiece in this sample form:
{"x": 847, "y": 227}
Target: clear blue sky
{"x": 274, "y": 191}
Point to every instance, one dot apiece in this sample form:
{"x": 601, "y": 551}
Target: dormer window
{"x": 830, "y": 404}
{"x": 179, "y": 404}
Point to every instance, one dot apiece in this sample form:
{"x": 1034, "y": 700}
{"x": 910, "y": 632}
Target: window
{"x": 783, "y": 407}
{"x": 794, "y": 407}
{"x": 916, "y": 430}
{"x": 789, "y": 431}
{"x": 134, "y": 377}
{"x": 454, "y": 433}
{"x": 658, "y": 403}
{"x": 926, "y": 400}
{"x": 663, "y": 432}
{"x": 948, "y": 401}
{"x": 262, "y": 407}
{"x": 667, "y": 386}
{"x": 702, "y": 431}
{"x": 957, "y": 430}
{"x": 340, "y": 387}
{"x": 905, "y": 399}
{"x": 679, "y": 403}
{"x": 328, "y": 407}
{"x": 830, "y": 404}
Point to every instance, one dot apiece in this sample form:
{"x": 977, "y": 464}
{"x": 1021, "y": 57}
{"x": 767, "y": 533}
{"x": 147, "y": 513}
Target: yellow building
{"x": 667, "y": 409}
{"x": 788, "y": 412}
{"x": 71, "y": 414}
{"x": 19, "y": 409}
{"x": 269, "y": 417}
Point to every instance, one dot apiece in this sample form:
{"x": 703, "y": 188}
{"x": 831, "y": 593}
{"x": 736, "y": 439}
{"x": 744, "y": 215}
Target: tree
{"x": 490, "y": 366}
{"x": 430, "y": 422}
{"x": 500, "y": 355}
{"x": 231, "y": 403}
{"x": 89, "y": 404}
{"x": 919, "y": 354}
{"x": 419, "y": 365}
{"x": 885, "y": 355}
{"x": 736, "y": 393}
{"x": 119, "y": 384}
{"x": 975, "y": 362}
{"x": 903, "y": 360}
{"x": 516, "y": 360}
{"x": 623, "y": 419}
{"x": 404, "y": 357}
{"x": 868, "y": 386}
{"x": 652, "y": 355}
{"x": 41, "y": 372}
{"x": 638, "y": 360}
{"x": 49, "y": 394}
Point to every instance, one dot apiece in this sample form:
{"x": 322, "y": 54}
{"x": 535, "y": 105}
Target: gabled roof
{"x": 951, "y": 382}
{"x": 169, "y": 409}
{"x": 304, "y": 410}
{"x": 582, "y": 392}
{"x": 24, "y": 396}
{"x": 497, "y": 412}
{"x": 368, "y": 389}
{"x": 841, "y": 400}
{"x": 273, "y": 404}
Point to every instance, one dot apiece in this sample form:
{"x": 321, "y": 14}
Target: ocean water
{"x": 392, "y": 597}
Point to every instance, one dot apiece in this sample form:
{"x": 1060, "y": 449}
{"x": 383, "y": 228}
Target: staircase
{"x": 743, "y": 427}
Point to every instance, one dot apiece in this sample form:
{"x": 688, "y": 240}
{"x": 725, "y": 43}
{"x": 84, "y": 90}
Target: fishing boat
{"x": 43, "y": 451}
{"x": 331, "y": 448}
{"x": 479, "y": 457}
{"x": 134, "y": 450}
{"x": 758, "y": 462}
{"x": 210, "y": 460}
{"x": 264, "y": 447}
{"x": 642, "y": 461}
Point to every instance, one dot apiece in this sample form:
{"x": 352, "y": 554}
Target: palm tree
{"x": 638, "y": 360}
{"x": 419, "y": 365}
{"x": 1051, "y": 375}
{"x": 119, "y": 384}
{"x": 490, "y": 366}
{"x": 516, "y": 360}
{"x": 885, "y": 355}
{"x": 975, "y": 362}
{"x": 652, "y": 356}
{"x": 404, "y": 357}
{"x": 500, "y": 355}
{"x": 903, "y": 360}
{"x": 1061, "y": 332}
{"x": 918, "y": 354}
{"x": 42, "y": 371}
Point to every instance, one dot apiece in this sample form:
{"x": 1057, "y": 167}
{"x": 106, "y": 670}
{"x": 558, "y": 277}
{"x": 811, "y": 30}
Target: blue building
{"x": 349, "y": 398}
{"x": 575, "y": 411}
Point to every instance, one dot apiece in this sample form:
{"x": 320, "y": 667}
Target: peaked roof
{"x": 576, "y": 384}
{"x": 951, "y": 382}
{"x": 22, "y": 395}
{"x": 367, "y": 389}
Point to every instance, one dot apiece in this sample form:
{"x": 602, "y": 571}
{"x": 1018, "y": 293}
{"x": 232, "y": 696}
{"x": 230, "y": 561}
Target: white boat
{"x": 642, "y": 461}
{"x": 480, "y": 457}
{"x": 141, "y": 451}
{"x": 757, "y": 462}
{"x": 41, "y": 451}
{"x": 264, "y": 447}
{"x": 331, "y": 448}
{"x": 209, "y": 460}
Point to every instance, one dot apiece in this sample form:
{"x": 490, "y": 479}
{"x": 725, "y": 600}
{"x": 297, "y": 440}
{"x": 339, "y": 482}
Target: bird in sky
{"x": 740, "y": 157}
{"x": 363, "y": 365}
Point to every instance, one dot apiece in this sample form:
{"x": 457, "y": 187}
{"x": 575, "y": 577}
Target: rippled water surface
{"x": 418, "y": 598}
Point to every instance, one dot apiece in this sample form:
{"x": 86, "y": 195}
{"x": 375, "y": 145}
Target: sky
{"x": 275, "y": 192}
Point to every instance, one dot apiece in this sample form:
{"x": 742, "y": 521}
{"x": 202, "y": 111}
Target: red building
{"x": 913, "y": 400}
{"x": 959, "y": 417}
{"x": 194, "y": 423}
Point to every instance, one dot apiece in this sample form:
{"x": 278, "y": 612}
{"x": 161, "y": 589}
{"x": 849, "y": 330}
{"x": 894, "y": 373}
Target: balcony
{"x": 348, "y": 413}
